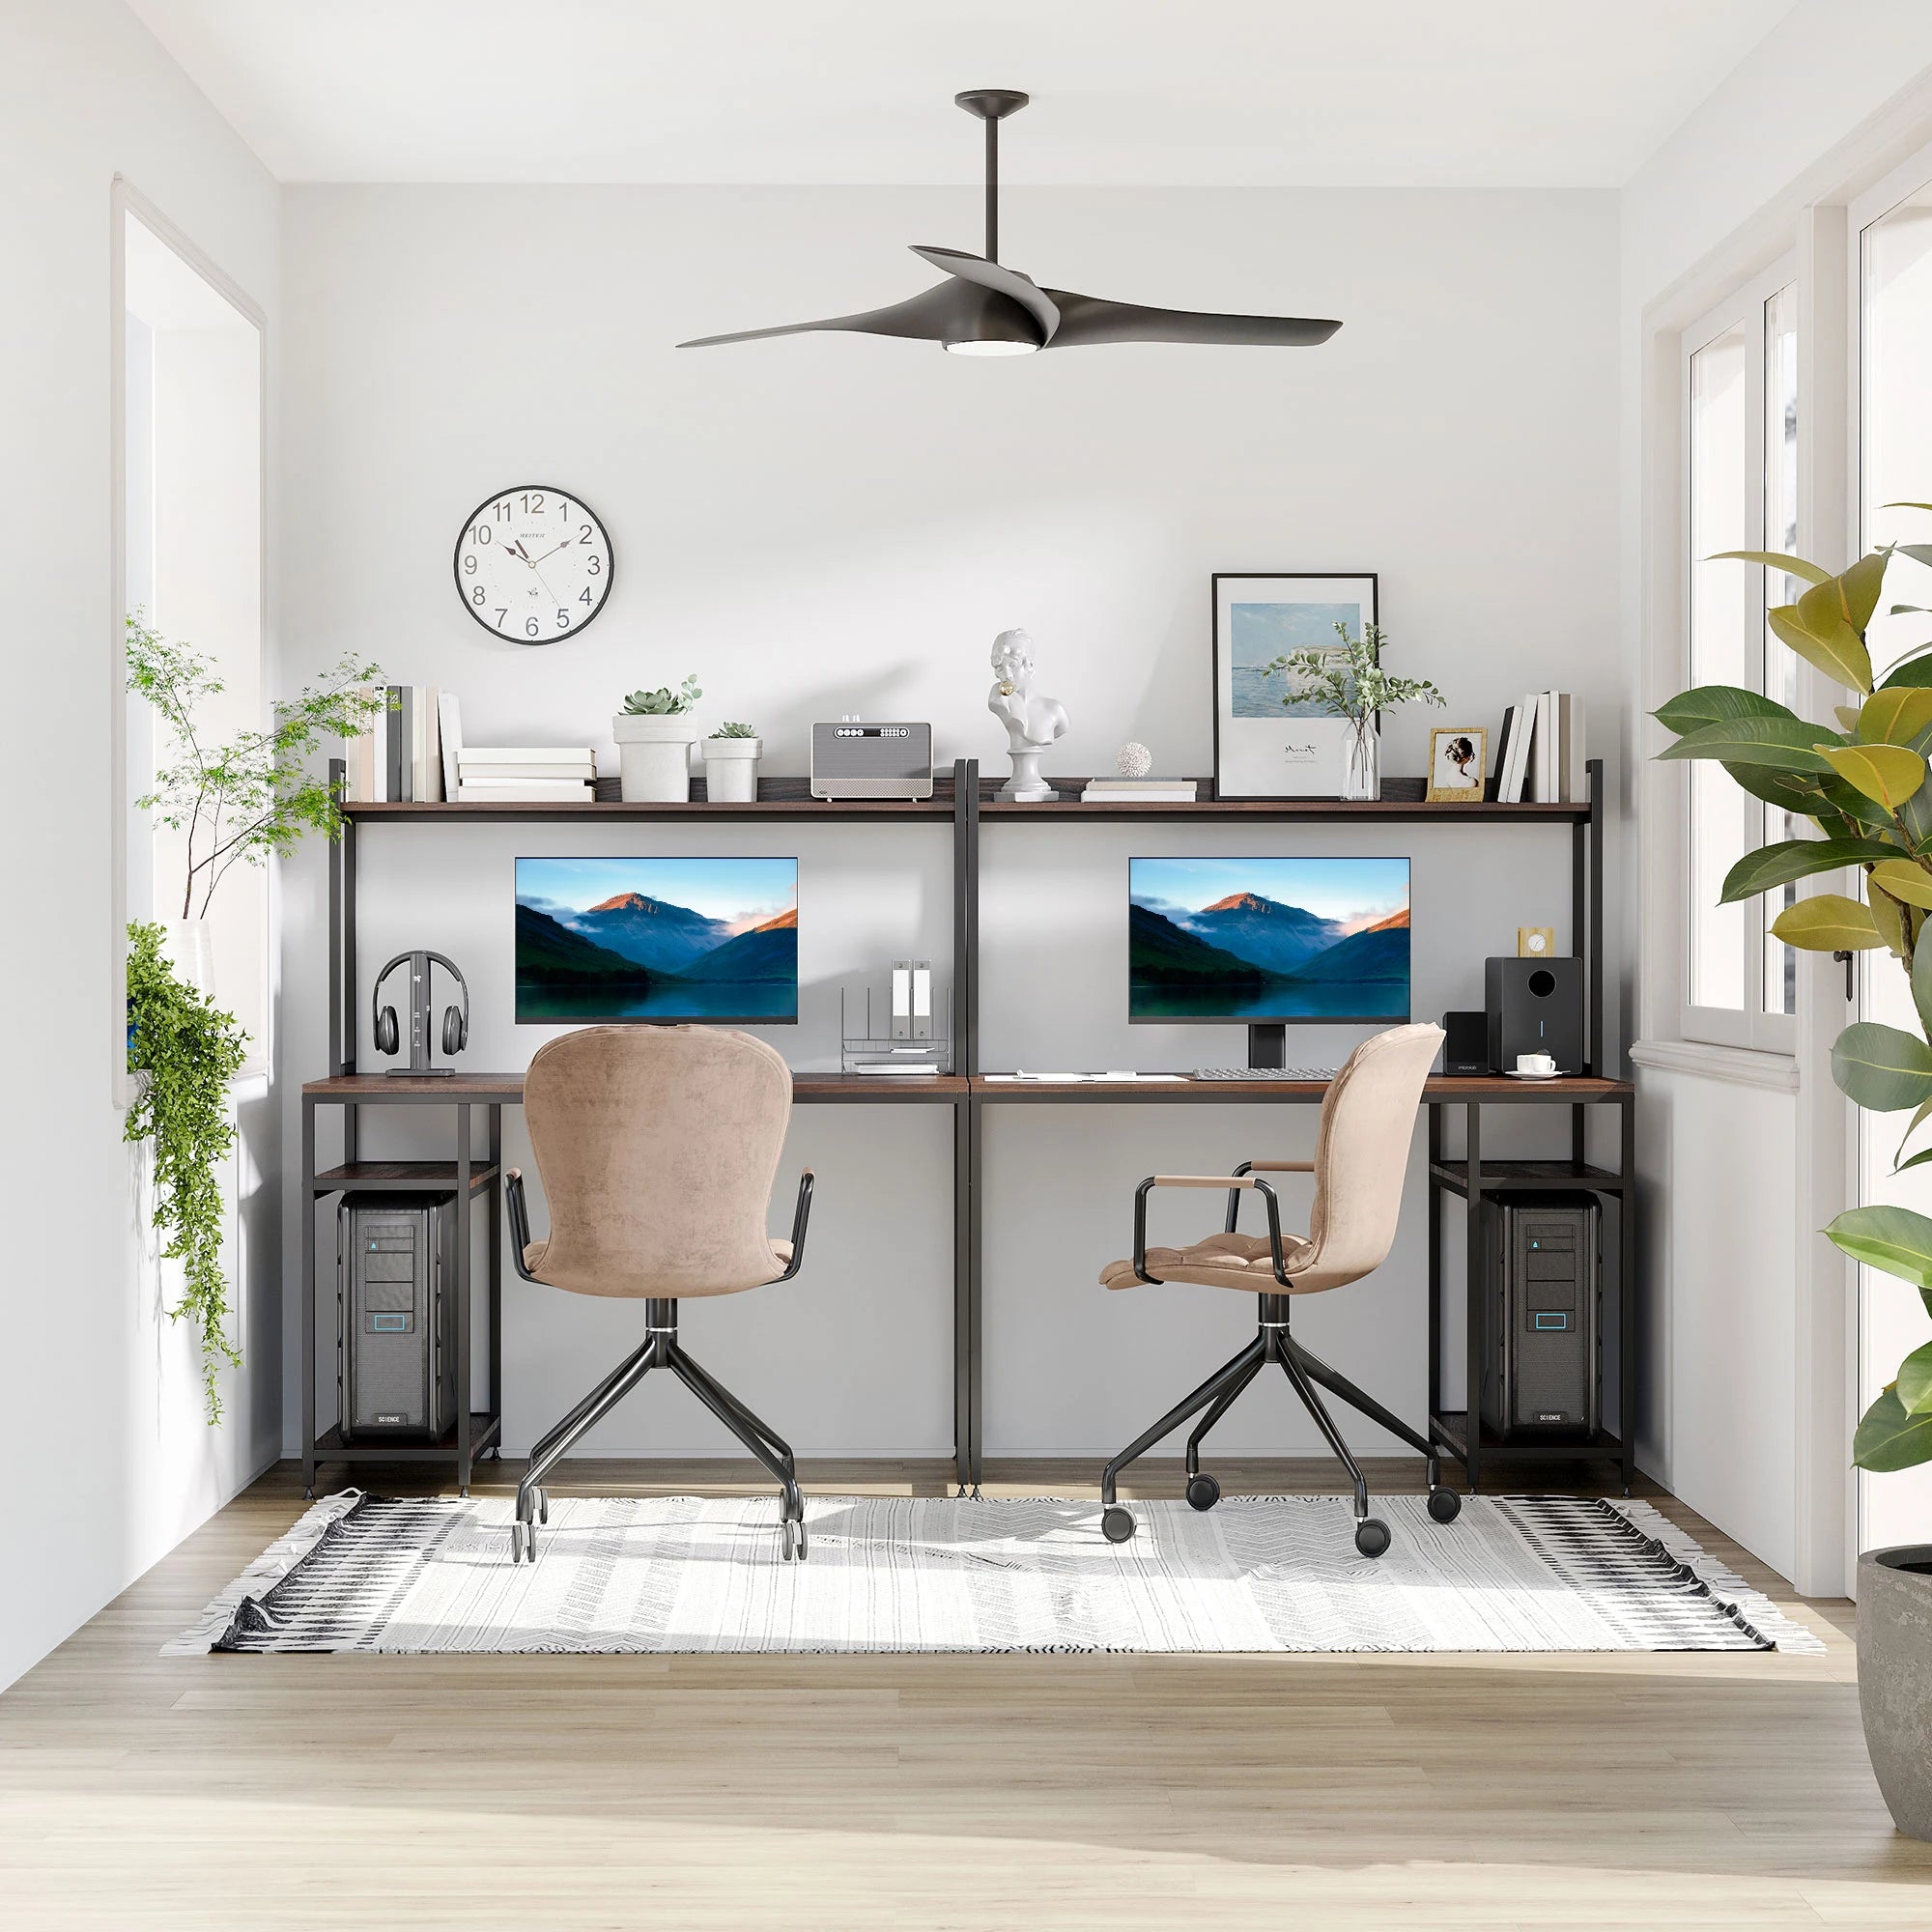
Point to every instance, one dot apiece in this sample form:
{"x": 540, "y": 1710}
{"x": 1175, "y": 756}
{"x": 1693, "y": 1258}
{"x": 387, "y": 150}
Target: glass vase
{"x": 1361, "y": 763}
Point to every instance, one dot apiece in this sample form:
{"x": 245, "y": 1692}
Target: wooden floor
{"x": 931, "y": 1792}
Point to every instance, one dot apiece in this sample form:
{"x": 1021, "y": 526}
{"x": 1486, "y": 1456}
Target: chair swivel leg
{"x": 1371, "y": 1535}
{"x": 770, "y": 1449}
{"x": 532, "y": 1504}
{"x": 1204, "y": 1491}
{"x": 1118, "y": 1522}
{"x": 1444, "y": 1504}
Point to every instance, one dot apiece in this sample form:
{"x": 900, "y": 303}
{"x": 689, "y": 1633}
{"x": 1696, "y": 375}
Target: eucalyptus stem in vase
{"x": 1350, "y": 683}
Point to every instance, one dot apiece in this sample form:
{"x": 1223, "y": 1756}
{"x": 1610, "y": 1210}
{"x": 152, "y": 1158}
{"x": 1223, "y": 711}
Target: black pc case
{"x": 1543, "y": 1373}
{"x": 396, "y": 1367}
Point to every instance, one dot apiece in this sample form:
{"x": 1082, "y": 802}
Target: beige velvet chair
{"x": 657, "y": 1148}
{"x": 1362, "y": 1158}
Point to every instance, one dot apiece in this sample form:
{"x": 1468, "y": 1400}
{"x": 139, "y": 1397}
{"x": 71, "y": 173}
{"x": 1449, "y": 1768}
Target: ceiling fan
{"x": 985, "y": 308}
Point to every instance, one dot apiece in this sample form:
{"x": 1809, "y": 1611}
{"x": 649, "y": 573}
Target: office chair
{"x": 657, "y": 1147}
{"x": 1368, "y": 1120}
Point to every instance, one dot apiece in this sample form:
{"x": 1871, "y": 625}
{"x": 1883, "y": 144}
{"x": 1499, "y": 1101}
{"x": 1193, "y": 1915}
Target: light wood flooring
{"x": 931, "y": 1792}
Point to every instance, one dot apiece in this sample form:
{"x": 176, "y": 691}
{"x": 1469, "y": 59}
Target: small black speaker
{"x": 1465, "y": 1047}
{"x": 1535, "y": 1005}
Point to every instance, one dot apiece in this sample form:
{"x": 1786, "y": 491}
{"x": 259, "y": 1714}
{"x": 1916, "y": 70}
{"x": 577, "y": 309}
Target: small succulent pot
{"x": 731, "y": 769}
{"x": 654, "y": 757}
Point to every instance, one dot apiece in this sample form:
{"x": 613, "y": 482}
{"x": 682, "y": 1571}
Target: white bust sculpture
{"x": 1032, "y": 723}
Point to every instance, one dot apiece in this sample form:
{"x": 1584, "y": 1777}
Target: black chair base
{"x": 661, "y": 1351}
{"x": 1220, "y": 1393}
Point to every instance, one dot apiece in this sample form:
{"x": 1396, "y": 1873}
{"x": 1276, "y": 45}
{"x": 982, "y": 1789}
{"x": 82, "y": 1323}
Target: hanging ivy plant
{"x": 190, "y": 1050}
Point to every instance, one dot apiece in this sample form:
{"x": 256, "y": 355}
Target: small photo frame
{"x": 1266, "y": 742}
{"x": 1459, "y": 763}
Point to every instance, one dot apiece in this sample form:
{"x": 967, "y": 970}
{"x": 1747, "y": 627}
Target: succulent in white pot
{"x": 731, "y": 757}
{"x": 655, "y": 733}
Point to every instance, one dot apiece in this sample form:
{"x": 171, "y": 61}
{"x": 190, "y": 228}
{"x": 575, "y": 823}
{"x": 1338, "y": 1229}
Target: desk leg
{"x": 495, "y": 1202}
{"x": 1472, "y": 1393}
{"x": 1627, "y": 1238}
{"x": 1433, "y": 1197}
{"x": 308, "y": 1195}
{"x": 966, "y": 1463}
{"x": 463, "y": 1209}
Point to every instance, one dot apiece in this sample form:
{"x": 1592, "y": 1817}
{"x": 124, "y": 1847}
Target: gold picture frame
{"x": 1458, "y": 764}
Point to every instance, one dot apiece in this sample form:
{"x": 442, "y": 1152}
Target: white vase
{"x": 190, "y": 952}
{"x": 731, "y": 770}
{"x": 1362, "y": 761}
{"x": 654, "y": 758}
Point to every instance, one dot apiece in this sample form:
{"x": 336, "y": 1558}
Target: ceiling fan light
{"x": 990, "y": 347}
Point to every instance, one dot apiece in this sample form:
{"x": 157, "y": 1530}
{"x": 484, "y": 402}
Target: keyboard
{"x": 1263, "y": 1073}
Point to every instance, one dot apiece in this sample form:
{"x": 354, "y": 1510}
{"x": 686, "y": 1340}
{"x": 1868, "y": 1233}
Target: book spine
{"x": 449, "y": 724}
{"x": 396, "y": 745}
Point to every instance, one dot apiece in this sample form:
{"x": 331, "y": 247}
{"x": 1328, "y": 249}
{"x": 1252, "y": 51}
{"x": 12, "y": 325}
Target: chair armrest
{"x": 801, "y": 1216}
{"x": 1247, "y": 1167}
{"x": 519, "y": 1222}
{"x": 1242, "y": 1179}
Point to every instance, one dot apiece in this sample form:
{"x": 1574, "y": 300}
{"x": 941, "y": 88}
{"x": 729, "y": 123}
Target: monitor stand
{"x": 1267, "y": 1045}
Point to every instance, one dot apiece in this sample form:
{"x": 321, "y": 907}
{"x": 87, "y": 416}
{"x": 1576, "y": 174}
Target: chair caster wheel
{"x": 1444, "y": 1505}
{"x": 1117, "y": 1524}
{"x": 1203, "y": 1493}
{"x": 793, "y": 1530}
{"x": 516, "y": 1542}
{"x": 1372, "y": 1537}
{"x": 543, "y": 1505}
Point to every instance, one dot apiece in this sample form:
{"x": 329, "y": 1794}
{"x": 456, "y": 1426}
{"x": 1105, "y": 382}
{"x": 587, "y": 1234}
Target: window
{"x": 1741, "y": 493}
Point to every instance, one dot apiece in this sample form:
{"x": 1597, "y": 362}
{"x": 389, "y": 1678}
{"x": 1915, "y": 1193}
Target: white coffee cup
{"x": 1535, "y": 1062}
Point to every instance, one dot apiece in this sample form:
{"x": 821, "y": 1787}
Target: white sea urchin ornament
{"x": 1135, "y": 760}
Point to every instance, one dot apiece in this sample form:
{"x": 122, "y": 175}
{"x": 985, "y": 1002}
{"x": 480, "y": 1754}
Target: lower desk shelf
{"x": 1450, "y": 1428}
{"x": 485, "y": 1430}
{"x": 1502, "y": 1176}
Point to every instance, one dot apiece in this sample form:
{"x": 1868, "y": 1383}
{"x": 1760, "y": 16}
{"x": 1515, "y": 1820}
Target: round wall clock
{"x": 533, "y": 565}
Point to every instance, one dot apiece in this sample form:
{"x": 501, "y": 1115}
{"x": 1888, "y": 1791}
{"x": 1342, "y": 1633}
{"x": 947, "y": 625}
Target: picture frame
{"x": 1263, "y": 747}
{"x": 1458, "y": 764}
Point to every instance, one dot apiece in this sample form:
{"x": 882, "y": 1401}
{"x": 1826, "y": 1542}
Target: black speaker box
{"x": 1535, "y": 1005}
{"x": 1466, "y": 1046}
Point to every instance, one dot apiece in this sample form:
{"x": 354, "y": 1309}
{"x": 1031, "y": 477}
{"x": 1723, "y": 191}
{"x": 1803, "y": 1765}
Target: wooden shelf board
{"x": 484, "y": 1430}
{"x": 1535, "y": 1175}
{"x": 1451, "y": 1427}
{"x": 401, "y": 1176}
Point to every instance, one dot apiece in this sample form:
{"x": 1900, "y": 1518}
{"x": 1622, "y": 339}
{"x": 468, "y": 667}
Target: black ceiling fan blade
{"x": 922, "y": 318}
{"x": 1085, "y": 319}
{"x": 1002, "y": 280}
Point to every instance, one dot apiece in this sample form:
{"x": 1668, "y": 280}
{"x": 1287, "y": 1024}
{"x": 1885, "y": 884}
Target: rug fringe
{"x": 1752, "y": 1607}
{"x": 218, "y": 1620}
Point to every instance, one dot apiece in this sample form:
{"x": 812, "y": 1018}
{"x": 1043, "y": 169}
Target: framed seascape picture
{"x": 1459, "y": 763}
{"x": 1266, "y": 744}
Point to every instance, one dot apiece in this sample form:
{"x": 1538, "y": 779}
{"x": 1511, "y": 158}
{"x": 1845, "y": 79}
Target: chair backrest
{"x": 658, "y": 1147}
{"x": 1361, "y": 1154}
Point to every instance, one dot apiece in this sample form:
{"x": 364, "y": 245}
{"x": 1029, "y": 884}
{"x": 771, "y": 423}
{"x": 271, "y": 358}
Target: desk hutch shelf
{"x": 964, "y": 801}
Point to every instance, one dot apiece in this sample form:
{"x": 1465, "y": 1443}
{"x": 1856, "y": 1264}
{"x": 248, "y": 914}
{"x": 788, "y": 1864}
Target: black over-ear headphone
{"x": 455, "y": 1020}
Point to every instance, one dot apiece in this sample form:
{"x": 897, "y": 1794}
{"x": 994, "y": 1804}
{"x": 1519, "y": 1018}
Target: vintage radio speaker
{"x": 853, "y": 759}
{"x": 1544, "y": 1373}
{"x": 395, "y": 1274}
{"x": 1535, "y": 1005}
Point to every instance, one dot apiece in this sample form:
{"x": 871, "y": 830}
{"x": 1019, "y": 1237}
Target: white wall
{"x": 823, "y": 524}
{"x": 100, "y": 1416}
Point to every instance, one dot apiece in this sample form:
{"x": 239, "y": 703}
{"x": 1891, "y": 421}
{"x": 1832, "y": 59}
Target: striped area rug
{"x": 619, "y": 1573}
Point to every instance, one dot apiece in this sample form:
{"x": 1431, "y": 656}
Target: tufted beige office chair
{"x": 1362, "y": 1158}
{"x": 657, "y": 1147}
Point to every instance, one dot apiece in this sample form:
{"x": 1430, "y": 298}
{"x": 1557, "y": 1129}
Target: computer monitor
{"x": 657, "y": 940}
{"x": 1266, "y": 942}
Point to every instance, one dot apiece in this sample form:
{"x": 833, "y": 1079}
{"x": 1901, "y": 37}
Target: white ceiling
{"x": 1450, "y": 93}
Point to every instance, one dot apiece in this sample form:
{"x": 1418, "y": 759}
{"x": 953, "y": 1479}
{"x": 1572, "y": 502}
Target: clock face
{"x": 532, "y": 565}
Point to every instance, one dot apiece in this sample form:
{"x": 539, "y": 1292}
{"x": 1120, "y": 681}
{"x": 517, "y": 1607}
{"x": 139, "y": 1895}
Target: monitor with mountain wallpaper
{"x": 1264, "y": 941}
{"x": 657, "y": 940}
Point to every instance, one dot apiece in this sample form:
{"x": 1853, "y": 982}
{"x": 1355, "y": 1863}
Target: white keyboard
{"x": 1263, "y": 1073}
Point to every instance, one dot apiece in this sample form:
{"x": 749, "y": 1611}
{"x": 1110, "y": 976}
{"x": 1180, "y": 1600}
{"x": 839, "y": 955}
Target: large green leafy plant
{"x": 1865, "y": 787}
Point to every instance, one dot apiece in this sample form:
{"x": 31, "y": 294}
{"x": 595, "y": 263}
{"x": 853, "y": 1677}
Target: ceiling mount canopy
{"x": 985, "y": 308}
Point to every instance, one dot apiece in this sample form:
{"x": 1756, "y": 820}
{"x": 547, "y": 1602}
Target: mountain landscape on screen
{"x": 689, "y": 939}
{"x": 1318, "y": 939}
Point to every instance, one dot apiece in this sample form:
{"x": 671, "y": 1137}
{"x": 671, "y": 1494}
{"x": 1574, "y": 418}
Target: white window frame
{"x": 1751, "y": 1026}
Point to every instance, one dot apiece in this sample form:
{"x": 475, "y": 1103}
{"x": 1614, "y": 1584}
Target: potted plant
{"x": 237, "y": 802}
{"x": 1351, "y": 684}
{"x": 1865, "y": 787}
{"x": 731, "y": 755}
{"x": 654, "y": 735}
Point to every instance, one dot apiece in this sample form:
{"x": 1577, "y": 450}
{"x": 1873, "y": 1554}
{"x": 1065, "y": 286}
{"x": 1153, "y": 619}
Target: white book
{"x": 1149, "y": 784}
{"x": 1138, "y": 795}
{"x": 531, "y": 790}
{"x": 528, "y": 754}
{"x": 1542, "y": 751}
{"x": 474, "y": 771}
{"x": 1579, "y": 775}
{"x": 450, "y": 729}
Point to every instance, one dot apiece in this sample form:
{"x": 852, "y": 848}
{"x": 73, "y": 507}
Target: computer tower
{"x": 395, "y": 1272}
{"x": 1543, "y": 1373}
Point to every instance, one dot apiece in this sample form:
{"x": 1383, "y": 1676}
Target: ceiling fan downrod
{"x": 992, "y": 105}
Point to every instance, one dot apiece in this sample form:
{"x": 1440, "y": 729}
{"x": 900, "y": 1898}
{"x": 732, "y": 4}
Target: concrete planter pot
{"x": 731, "y": 770}
{"x": 1895, "y": 1678}
{"x": 654, "y": 758}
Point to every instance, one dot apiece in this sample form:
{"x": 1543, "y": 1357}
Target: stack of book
{"x": 1540, "y": 757}
{"x": 402, "y": 754}
{"x": 524, "y": 774}
{"x": 1139, "y": 791}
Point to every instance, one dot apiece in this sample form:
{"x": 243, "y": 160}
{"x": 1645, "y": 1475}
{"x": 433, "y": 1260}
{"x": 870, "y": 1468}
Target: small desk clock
{"x": 857, "y": 759}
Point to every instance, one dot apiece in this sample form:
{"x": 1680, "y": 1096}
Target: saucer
{"x": 1518, "y": 1073}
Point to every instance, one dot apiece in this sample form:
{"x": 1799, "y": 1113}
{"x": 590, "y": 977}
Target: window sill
{"x": 1733, "y": 1066}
